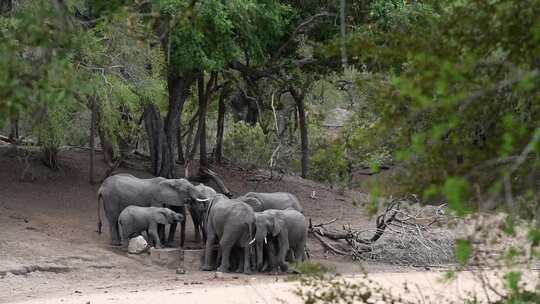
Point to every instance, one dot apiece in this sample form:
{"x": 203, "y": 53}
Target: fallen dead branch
{"x": 400, "y": 236}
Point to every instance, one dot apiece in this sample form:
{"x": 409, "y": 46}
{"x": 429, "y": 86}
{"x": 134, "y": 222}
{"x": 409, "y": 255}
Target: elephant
{"x": 286, "y": 230}
{"x": 197, "y": 214}
{"x": 134, "y": 220}
{"x": 261, "y": 201}
{"x": 230, "y": 222}
{"x": 121, "y": 190}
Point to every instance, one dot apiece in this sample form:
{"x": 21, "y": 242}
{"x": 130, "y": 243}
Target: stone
{"x": 137, "y": 245}
{"x": 168, "y": 257}
{"x": 218, "y": 275}
{"x": 192, "y": 259}
{"x": 180, "y": 271}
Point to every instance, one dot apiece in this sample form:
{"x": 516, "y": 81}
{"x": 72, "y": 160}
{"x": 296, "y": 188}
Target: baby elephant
{"x": 134, "y": 220}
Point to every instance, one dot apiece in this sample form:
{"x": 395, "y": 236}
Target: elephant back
{"x": 127, "y": 189}
{"x": 275, "y": 200}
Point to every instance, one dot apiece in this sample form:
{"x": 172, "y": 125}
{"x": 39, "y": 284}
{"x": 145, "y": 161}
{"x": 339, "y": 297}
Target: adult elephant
{"x": 286, "y": 228}
{"x": 122, "y": 190}
{"x": 197, "y": 214}
{"x": 231, "y": 223}
{"x": 261, "y": 201}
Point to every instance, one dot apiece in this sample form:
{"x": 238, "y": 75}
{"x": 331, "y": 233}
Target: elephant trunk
{"x": 260, "y": 246}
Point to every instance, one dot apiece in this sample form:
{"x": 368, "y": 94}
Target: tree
{"x": 458, "y": 106}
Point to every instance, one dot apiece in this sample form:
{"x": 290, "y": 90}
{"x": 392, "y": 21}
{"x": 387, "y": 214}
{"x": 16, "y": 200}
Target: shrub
{"x": 247, "y": 145}
{"x": 330, "y": 164}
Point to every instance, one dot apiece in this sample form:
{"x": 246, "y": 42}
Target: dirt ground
{"x": 49, "y": 246}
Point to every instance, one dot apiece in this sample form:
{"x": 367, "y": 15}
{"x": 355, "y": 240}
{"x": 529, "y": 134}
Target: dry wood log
{"x": 327, "y": 245}
{"x": 207, "y": 173}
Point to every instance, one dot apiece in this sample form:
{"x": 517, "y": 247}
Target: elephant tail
{"x": 99, "y": 200}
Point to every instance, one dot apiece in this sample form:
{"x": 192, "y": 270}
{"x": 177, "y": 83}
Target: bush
{"x": 330, "y": 164}
{"x": 246, "y": 145}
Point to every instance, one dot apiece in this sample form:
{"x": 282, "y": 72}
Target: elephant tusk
{"x": 265, "y": 240}
{"x": 252, "y": 241}
{"x": 202, "y": 200}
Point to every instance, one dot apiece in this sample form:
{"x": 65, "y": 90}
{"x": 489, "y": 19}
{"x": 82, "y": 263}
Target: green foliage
{"x": 463, "y": 251}
{"x": 455, "y": 190}
{"x": 452, "y": 96}
{"x": 248, "y": 146}
{"x": 208, "y": 35}
{"x": 310, "y": 269}
{"x": 330, "y": 164}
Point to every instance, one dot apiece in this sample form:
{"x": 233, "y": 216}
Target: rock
{"x": 137, "y": 245}
{"x": 168, "y": 257}
{"x": 218, "y": 275}
{"x": 192, "y": 259}
{"x": 180, "y": 271}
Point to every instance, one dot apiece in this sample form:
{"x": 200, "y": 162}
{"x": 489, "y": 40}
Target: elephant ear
{"x": 255, "y": 203}
{"x": 166, "y": 194}
{"x": 161, "y": 217}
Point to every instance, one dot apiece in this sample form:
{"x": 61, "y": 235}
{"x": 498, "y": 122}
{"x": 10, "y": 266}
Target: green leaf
{"x": 509, "y": 226}
{"x": 512, "y": 280}
{"x": 455, "y": 190}
{"x": 534, "y": 236}
{"x": 463, "y": 251}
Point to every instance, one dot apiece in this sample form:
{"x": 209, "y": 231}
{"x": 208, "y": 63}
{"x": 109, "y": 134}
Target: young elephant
{"x": 134, "y": 219}
{"x": 285, "y": 228}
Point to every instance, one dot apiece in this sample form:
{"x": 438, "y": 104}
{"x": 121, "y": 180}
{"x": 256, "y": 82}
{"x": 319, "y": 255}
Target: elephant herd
{"x": 256, "y": 231}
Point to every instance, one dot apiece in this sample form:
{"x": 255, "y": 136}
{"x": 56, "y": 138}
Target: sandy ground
{"x": 49, "y": 248}
{"x": 426, "y": 287}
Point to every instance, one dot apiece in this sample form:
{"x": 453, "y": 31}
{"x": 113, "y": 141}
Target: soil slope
{"x": 49, "y": 245}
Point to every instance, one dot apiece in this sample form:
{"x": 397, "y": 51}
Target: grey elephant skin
{"x": 122, "y": 190}
{"x": 198, "y": 213}
{"x": 229, "y": 223}
{"x": 261, "y": 201}
{"x": 287, "y": 229}
{"x": 134, "y": 220}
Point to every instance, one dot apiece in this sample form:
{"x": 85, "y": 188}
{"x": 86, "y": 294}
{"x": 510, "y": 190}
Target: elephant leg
{"x": 247, "y": 264}
{"x": 113, "y": 230}
{"x": 283, "y": 248}
{"x": 209, "y": 252}
{"x": 172, "y": 232}
{"x": 203, "y": 233}
{"x": 300, "y": 252}
{"x": 153, "y": 231}
{"x": 290, "y": 256}
{"x": 182, "y": 233}
{"x": 161, "y": 232}
{"x": 196, "y": 224}
{"x": 225, "y": 245}
{"x": 197, "y": 232}
{"x": 271, "y": 257}
{"x": 218, "y": 257}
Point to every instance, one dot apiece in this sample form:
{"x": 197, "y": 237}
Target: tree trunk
{"x": 105, "y": 143}
{"x": 163, "y": 135}
{"x": 220, "y": 124}
{"x": 203, "y": 156}
{"x": 342, "y": 26}
{"x": 14, "y": 129}
{"x": 92, "y": 136}
{"x": 304, "y": 144}
{"x": 180, "y": 151}
{"x": 156, "y": 136}
{"x": 50, "y": 157}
